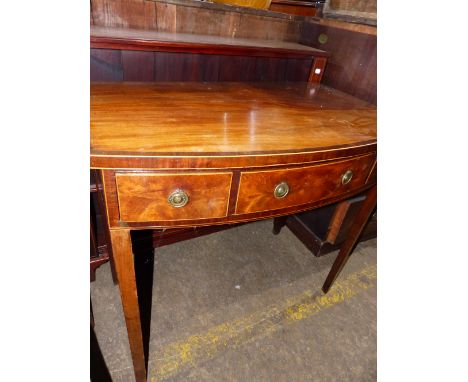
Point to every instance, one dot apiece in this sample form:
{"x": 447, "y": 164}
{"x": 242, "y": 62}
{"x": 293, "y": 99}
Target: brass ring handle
{"x": 178, "y": 198}
{"x": 346, "y": 178}
{"x": 281, "y": 190}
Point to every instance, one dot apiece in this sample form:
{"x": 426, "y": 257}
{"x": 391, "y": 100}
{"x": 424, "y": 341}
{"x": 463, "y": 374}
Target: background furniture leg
{"x": 279, "y": 223}
{"x": 354, "y": 232}
{"x": 124, "y": 265}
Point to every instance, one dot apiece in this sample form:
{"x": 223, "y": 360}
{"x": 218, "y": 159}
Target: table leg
{"x": 279, "y": 223}
{"x": 352, "y": 237}
{"x": 125, "y": 268}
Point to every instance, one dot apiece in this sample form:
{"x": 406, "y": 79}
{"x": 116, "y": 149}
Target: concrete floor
{"x": 244, "y": 305}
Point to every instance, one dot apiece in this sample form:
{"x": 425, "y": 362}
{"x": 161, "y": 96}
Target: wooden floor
{"x": 245, "y": 305}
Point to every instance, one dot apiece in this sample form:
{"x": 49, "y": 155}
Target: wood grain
{"x": 135, "y": 39}
{"x": 306, "y": 184}
{"x": 144, "y": 196}
{"x": 124, "y": 13}
{"x": 124, "y": 265}
{"x": 352, "y": 65}
{"x": 224, "y": 118}
{"x": 336, "y": 221}
{"x": 234, "y": 219}
{"x": 195, "y": 17}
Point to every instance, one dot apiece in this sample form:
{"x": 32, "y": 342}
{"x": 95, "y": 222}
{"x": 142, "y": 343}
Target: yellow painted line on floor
{"x": 176, "y": 357}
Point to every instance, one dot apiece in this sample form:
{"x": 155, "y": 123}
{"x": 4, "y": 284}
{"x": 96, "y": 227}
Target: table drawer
{"x": 172, "y": 196}
{"x": 300, "y": 185}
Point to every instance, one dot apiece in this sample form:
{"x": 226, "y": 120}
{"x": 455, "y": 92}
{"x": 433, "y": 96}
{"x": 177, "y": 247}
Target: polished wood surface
{"x": 149, "y": 40}
{"x": 317, "y": 70}
{"x": 144, "y": 197}
{"x": 306, "y": 184}
{"x": 171, "y": 119}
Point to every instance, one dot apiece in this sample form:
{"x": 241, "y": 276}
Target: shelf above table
{"x": 147, "y": 40}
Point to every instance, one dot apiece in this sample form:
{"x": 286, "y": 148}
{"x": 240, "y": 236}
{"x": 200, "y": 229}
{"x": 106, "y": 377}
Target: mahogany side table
{"x": 198, "y": 154}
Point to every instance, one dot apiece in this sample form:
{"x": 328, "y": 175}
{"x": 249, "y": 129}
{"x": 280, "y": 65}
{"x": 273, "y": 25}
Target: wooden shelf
{"x": 136, "y": 39}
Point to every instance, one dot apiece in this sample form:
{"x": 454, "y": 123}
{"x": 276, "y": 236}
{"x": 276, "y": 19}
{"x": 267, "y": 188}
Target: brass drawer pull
{"x": 178, "y": 198}
{"x": 281, "y": 190}
{"x": 346, "y": 178}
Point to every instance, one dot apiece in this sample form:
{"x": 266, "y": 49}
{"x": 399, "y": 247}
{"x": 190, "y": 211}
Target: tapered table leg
{"x": 124, "y": 266}
{"x": 353, "y": 235}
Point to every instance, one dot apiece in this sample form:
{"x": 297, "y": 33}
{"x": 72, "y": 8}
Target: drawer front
{"x": 147, "y": 196}
{"x": 305, "y": 184}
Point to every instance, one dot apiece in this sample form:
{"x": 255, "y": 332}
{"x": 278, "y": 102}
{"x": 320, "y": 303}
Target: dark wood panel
{"x": 352, "y": 66}
{"x": 179, "y": 67}
{"x": 138, "y": 66}
{"x": 297, "y": 69}
{"x": 167, "y": 66}
{"x": 210, "y": 66}
{"x": 115, "y": 65}
{"x": 106, "y": 65}
{"x": 192, "y": 67}
{"x": 270, "y": 69}
{"x": 237, "y": 69}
